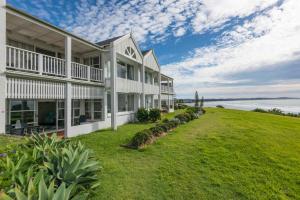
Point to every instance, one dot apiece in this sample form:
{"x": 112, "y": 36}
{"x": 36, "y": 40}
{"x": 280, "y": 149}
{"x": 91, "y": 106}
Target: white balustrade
{"x": 24, "y": 60}
{"x": 21, "y": 59}
{"x": 54, "y": 66}
{"x": 96, "y": 74}
{"x": 80, "y": 71}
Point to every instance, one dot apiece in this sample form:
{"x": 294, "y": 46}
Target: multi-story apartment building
{"x": 52, "y": 80}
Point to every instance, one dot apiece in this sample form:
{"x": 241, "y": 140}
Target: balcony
{"x": 28, "y": 61}
{"x": 151, "y": 89}
{"x": 129, "y": 86}
{"x": 166, "y": 89}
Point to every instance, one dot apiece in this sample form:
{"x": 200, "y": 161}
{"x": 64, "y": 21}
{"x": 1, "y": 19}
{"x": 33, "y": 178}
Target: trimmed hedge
{"x": 146, "y": 136}
{"x": 142, "y": 115}
{"x": 154, "y": 115}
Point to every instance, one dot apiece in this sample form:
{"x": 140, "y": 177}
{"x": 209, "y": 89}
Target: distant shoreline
{"x": 240, "y": 99}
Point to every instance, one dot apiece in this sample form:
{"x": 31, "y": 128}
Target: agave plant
{"x": 67, "y": 168}
{"x": 38, "y": 190}
{"x": 72, "y": 164}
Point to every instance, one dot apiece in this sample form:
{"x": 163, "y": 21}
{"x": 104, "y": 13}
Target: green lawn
{"x": 226, "y": 154}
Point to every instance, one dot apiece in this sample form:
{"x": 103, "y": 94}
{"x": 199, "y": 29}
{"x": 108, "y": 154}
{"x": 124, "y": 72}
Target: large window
{"x": 75, "y": 112}
{"x": 86, "y": 111}
{"x": 125, "y": 70}
{"x": 108, "y": 102}
{"x": 130, "y": 72}
{"x": 22, "y": 111}
{"x": 148, "y": 101}
{"x": 148, "y": 77}
{"x": 61, "y": 114}
{"x": 122, "y": 70}
{"x": 93, "y": 61}
{"x": 125, "y": 102}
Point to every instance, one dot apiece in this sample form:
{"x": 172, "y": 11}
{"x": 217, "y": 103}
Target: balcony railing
{"x": 54, "y": 66}
{"x": 167, "y": 89}
{"x": 80, "y": 71}
{"x": 24, "y": 60}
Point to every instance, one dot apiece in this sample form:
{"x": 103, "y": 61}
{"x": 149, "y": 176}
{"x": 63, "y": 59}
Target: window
{"x": 93, "y": 61}
{"x": 148, "y": 101}
{"x": 20, "y": 45}
{"x": 98, "y": 109}
{"x": 148, "y": 77}
{"x": 22, "y": 111}
{"x": 60, "y": 114}
{"x": 155, "y": 80}
{"x": 88, "y": 110}
{"x": 130, "y": 52}
{"x": 108, "y": 102}
{"x": 130, "y": 72}
{"x": 122, "y": 70}
{"x": 125, "y": 102}
{"x": 125, "y": 70}
{"x": 75, "y": 112}
{"x": 122, "y": 102}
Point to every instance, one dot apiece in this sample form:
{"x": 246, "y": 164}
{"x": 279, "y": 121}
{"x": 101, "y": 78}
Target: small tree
{"x": 201, "y": 102}
{"x": 196, "y": 99}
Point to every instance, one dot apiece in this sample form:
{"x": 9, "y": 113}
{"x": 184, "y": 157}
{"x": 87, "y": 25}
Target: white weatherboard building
{"x": 51, "y": 80}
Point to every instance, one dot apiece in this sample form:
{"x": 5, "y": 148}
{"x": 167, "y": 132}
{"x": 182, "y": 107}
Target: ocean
{"x": 286, "y": 105}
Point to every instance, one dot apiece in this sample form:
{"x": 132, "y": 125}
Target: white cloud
{"x": 270, "y": 38}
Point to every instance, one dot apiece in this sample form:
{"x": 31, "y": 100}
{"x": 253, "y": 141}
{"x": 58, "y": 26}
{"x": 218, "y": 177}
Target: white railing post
{"x": 89, "y": 73}
{"x": 40, "y": 64}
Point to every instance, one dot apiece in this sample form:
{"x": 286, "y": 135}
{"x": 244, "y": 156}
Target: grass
{"x": 226, "y": 154}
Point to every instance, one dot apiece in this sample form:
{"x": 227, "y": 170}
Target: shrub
{"x": 165, "y": 120}
{"x": 63, "y": 165}
{"x": 142, "y": 115}
{"x": 141, "y": 138}
{"x": 175, "y": 121}
{"x": 276, "y": 111}
{"x": 156, "y": 131}
{"x": 220, "y": 106}
{"x": 193, "y": 109}
{"x": 182, "y": 118}
{"x": 163, "y": 127}
{"x": 259, "y": 110}
{"x": 154, "y": 115}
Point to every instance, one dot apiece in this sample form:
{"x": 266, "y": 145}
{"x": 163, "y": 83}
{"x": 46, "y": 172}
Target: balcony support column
{"x": 168, "y": 89}
{"x": 2, "y": 66}
{"x": 159, "y": 93}
{"x": 143, "y": 85}
{"x": 68, "y": 89}
{"x": 113, "y": 87}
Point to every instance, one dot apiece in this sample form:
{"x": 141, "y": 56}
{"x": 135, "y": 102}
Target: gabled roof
{"x": 146, "y": 51}
{"x": 108, "y": 41}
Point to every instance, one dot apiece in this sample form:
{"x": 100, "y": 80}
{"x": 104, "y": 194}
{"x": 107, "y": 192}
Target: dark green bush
{"x": 260, "y": 110}
{"x": 142, "y": 115}
{"x": 156, "y": 131}
{"x": 141, "y": 138}
{"x": 165, "y": 120}
{"x": 193, "y": 109}
{"x": 154, "y": 115}
{"x": 163, "y": 127}
{"x": 220, "y": 106}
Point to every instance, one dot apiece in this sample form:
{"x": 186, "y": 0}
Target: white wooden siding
{"x": 128, "y": 86}
{"x": 151, "y": 89}
{"x": 150, "y": 62}
{"x": 122, "y": 46}
{"x": 34, "y": 89}
{"x": 87, "y": 92}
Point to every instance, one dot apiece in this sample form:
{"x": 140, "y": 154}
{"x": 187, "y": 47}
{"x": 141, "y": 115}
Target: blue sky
{"x": 219, "y": 47}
